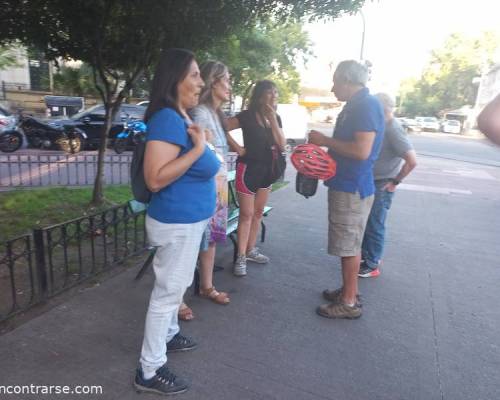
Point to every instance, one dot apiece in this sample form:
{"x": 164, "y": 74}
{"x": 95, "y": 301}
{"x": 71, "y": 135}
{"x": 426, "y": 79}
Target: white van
{"x": 294, "y": 118}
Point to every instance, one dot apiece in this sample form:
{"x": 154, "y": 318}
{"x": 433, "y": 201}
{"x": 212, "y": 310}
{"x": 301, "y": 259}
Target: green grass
{"x": 278, "y": 185}
{"x": 23, "y": 210}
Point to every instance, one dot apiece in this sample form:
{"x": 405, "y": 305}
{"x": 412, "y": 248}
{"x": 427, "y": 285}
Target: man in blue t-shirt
{"x": 355, "y": 145}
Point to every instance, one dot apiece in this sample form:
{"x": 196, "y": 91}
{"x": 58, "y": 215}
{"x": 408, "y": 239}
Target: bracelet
{"x": 395, "y": 181}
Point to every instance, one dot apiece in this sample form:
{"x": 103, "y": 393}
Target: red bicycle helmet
{"x": 312, "y": 161}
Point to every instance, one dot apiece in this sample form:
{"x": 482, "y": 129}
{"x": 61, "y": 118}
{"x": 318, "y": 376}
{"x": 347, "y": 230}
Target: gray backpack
{"x": 139, "y": 189}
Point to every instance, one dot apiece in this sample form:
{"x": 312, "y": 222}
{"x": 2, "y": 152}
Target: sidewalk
{"x": 429, "y": 329}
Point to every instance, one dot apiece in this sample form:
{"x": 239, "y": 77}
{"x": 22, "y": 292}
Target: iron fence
{"x": 15, "y": 86}
{"x": 50, "y": 260}
{"x": 33, "y": 170}
{"x": 28, "y": 170}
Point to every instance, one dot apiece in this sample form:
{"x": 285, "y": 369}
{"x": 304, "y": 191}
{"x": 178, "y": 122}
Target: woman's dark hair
{"x": 172, "y": 68}
{"x": 257, "y": 93}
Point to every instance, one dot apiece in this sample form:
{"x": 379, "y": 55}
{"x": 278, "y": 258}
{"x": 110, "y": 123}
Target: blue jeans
{"x": 373, "y": 241}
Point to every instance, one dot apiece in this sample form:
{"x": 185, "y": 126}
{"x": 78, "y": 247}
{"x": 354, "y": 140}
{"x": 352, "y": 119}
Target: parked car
{"x": 451, "y": 126}
{"x": 409, "y": 124}
{"x": 428, "y": 123}
{"x": 91, "y": 121}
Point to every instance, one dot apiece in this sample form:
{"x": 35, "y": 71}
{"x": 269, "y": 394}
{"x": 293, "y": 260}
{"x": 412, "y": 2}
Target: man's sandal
{"x": 214, "y": 295}
{"x": 185, "y": 313}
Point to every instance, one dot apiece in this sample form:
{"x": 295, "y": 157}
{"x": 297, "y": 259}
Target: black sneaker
{"x": 369, "y": 272}
{"x": 164, "y": 382}
{"x": 181, "y": 343}
{"x": 366, "y": 272}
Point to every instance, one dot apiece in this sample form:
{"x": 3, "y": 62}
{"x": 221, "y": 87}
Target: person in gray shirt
{"x": 396, "y": 160}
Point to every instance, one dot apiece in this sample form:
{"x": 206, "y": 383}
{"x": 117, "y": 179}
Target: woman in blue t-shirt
{"x": 261, "y": 127}
{"x": 179, "y": 169}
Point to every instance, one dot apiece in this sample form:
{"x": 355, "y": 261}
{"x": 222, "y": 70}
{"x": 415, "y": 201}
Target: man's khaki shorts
{"x": 347, "y": 217}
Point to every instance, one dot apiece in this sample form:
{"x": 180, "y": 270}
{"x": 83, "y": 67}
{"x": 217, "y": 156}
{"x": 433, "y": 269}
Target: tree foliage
{"x": 265, "y": 51}
{"x": 7, "y": 58}
{"x": 119, "y": 39}
{"x": 447, "y": 81}
{"x": 75, "y": 81}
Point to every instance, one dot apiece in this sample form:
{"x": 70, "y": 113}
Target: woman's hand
{"x": 269, "y": 112}
{"x": 209, "y": 136}
{"x": 198, "y": 135}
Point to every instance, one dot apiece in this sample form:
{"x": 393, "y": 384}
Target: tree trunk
{"x": 245, "y": 96}
{"x": 111, "y": 109}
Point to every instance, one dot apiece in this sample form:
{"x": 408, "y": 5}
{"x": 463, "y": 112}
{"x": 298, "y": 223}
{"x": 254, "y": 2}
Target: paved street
{"x": 429, "y": 329}
{"x": 457, "y": 147}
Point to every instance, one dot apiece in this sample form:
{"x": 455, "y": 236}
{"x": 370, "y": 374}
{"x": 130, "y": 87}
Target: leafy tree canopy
{"x": 75, "y": 81}
{"x": 267, "y": 50}
{"x": 7, "y": 58}
{"x": 447, "y": 81}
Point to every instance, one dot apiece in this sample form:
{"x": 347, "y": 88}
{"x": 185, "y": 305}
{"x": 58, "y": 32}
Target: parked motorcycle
{"x": 132, "y": 134}
{"x": 43, "y": 136}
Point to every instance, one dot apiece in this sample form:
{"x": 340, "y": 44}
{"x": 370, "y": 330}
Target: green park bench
{"x": 232, "y": 226}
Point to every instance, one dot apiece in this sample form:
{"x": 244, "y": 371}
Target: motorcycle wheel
{"x": 10, "y": 141}
{"x": 120, "y": 145}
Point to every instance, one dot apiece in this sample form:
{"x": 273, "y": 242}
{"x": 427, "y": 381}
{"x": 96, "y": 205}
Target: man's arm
{"x": 359, "y": 149}
{"x": 410, "y": 158}
{"x": 488, "y": 120}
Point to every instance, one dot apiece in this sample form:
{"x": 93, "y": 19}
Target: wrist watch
{"x": 395, "y": 181}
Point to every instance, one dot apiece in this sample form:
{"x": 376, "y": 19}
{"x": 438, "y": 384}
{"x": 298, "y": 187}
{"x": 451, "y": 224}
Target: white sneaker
{"x": 240, "y": 266}
{"x": 256, "y": 256}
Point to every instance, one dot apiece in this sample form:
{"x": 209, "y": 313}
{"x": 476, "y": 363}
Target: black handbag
{"x": 278, "y": 165}
{"x": 305, "y": 185}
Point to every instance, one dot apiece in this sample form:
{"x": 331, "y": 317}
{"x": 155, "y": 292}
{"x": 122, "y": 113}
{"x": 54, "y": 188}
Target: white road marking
{"x": 470, "y": 173}
{"x": 432, "y": 189}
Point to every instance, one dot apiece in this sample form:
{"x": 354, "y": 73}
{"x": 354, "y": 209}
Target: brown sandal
{"x": 185, "y": 313}
{"x": 215, "y": 296}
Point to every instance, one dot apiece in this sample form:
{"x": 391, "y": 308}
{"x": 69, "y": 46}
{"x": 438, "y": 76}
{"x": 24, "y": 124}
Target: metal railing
{"x": 15, "y": 86}
{"x": 20, "y": 170}
{"x": 27, "y": 170}
{"x": 50, "y": 260}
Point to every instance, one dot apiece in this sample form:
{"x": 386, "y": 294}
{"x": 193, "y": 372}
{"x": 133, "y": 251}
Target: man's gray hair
{"x": 386, "y": 100}
{"x": 351, "y": 71}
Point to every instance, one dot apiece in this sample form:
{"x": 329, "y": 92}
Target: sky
{"x": 399, "y": 36}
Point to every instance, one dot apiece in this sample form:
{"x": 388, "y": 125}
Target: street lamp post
{"x": 362, "y": 36}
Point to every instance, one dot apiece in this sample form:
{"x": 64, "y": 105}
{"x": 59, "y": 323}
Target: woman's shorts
{"x": 252, "y": 177}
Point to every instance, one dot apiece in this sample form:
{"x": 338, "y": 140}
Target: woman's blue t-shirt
{"x": 191, "y": 197}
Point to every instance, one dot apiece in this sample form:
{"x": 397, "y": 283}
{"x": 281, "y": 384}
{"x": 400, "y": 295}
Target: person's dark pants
{"x": 373, "y": 241}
